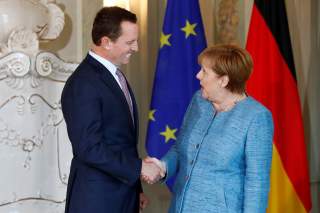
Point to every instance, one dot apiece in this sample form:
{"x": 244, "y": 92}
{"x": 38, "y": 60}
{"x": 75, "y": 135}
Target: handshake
{"x": 152, "y": 170}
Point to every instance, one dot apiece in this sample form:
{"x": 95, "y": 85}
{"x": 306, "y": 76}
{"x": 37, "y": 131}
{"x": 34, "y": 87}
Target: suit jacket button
{"x": 191, "y": 162}
{"x": 197, "y": 146}
{"x": 186, "y": 177}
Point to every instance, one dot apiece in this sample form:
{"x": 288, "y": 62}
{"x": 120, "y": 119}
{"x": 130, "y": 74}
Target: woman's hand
{"x": 154, "y": 176}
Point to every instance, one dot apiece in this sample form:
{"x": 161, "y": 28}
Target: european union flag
{"x": 182, "y": 39}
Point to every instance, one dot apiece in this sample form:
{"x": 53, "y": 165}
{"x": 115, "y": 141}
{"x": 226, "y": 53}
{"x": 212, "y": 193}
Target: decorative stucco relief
{"x": 35, "y": 152}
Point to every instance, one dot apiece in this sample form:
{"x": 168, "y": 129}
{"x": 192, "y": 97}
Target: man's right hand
{"x": 152, "y": 170}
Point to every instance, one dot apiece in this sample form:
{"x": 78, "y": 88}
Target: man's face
{"x": 122, "y": 48}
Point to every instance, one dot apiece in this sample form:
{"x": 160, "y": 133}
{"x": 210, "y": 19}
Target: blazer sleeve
{"x": 82, "y": 110}
{"x": 258, "y": 155}
{"x": 171, "y": 162}
{"x": 171, "y": 159}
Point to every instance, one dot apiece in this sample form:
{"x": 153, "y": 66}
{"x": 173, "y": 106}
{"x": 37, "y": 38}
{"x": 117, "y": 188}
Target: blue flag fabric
{"x": 182, "y": 39}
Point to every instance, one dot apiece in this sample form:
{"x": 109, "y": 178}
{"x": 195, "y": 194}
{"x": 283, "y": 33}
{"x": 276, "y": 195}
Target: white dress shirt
{"x": 107, "y": 64}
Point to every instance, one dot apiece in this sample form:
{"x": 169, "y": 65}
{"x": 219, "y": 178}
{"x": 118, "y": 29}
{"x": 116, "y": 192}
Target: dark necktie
{"x": 125, "y": 90}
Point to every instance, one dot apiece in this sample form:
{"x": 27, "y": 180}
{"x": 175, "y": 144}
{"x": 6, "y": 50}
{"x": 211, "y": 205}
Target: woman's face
{"x": 210, "y": 82}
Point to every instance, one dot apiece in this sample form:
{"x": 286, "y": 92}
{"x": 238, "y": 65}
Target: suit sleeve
{"x": 82, "y": 110}
{"x": 258, "y": 155}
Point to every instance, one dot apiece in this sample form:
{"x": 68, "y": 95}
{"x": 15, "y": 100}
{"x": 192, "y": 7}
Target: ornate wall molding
{"x": 43, "y": 17}
{"x": 52, "y": 67}
{"x": 34, "y": 147}
{"x": 16, "y": 68}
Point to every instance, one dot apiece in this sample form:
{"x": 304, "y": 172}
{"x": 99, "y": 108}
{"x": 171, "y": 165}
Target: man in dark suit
{"x": 102, "y": 122}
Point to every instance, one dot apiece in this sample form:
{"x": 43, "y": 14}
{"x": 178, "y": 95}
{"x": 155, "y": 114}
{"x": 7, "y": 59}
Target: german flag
{"x": 273, "y": 82}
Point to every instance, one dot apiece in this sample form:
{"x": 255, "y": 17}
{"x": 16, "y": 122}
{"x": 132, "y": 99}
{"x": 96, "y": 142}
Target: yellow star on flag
{"x": 169, "y": 134}
{"x": 151, "y": 115}
{"x": 164, "y": 39}
{"x": 189, "y": 29}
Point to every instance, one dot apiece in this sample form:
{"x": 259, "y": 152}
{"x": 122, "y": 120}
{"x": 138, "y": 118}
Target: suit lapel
{"x": 112, "y": 84}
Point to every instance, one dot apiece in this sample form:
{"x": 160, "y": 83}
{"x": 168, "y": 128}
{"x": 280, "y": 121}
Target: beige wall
{"x": 304, "y": 23}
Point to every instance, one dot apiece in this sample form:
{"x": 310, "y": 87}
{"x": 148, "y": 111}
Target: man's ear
{"x": 224, "y": 80}
{"x": 106, "y": 42}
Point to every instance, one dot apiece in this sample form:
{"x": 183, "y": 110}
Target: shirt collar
{"x": 106, "y": 63}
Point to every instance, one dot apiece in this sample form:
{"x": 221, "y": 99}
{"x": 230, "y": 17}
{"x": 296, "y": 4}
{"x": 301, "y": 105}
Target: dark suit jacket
{"x": 105, "y": 169}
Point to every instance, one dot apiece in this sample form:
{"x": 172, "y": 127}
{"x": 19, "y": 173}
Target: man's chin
{"x": 126, "y": 61}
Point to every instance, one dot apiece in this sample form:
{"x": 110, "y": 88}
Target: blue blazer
{"x": 105, "y": 169}
{"x": 222, "y": 160}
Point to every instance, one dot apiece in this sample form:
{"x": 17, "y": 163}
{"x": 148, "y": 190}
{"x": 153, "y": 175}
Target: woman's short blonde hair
{"x": 230, "y": 60}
